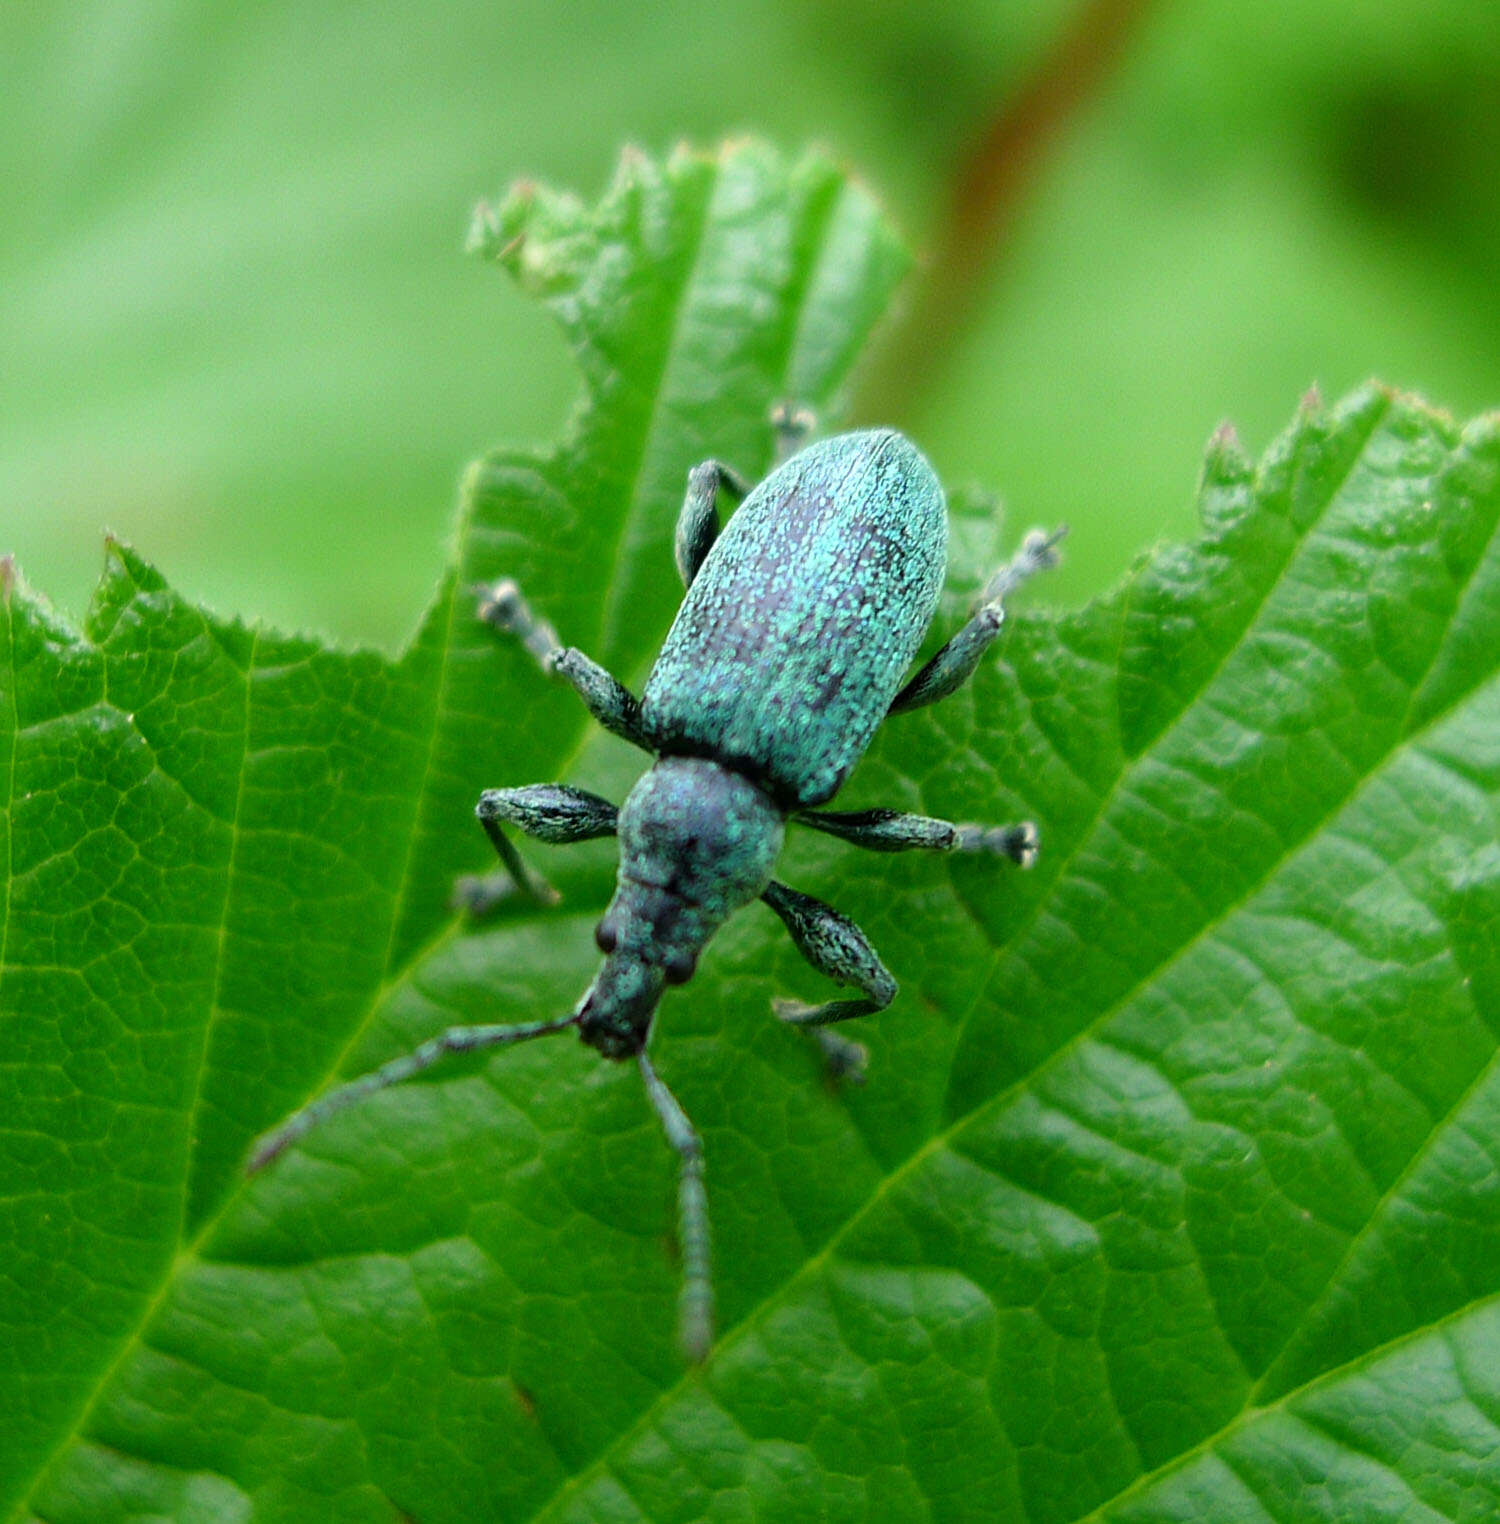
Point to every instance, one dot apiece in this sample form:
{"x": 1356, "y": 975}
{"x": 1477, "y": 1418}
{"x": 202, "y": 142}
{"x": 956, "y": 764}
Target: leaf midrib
{"x": 1248, "y": 1415}
{"x": 681, "y": 301}
{"x": 215, "y": 1007}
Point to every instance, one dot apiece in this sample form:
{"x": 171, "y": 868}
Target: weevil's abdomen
{"x": 804, "y": 617}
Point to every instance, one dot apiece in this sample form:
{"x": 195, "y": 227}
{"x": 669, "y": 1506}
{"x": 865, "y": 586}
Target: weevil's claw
{"x": 503, "y": 607}
{"x": 1043, "y": 548}
{"x": 1022, "y": 843}
{"x": 790, "y": 418}
{"x": 1038, "y": 553}
{"x": 793, "y": 426}
{"x": 501, "y": 604}
{"x": 1019, "y": 843}
{"x": 844, "y": 1059}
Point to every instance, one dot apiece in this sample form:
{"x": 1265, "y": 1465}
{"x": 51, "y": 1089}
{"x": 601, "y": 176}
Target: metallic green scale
{"x": 801, "y": 619}
{"x": 804, "y": 617}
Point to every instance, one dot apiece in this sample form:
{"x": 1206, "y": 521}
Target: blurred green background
{"x": 236, "y": 326}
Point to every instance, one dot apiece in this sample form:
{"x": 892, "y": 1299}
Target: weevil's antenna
{"x": 454, "y": 1040}
{"x": 695, "y": 1302}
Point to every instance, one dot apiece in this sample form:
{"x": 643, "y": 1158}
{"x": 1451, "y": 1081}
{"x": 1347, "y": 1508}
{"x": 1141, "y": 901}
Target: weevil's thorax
{"x": 699, "y": 838}
{"x": 697, "y": 842}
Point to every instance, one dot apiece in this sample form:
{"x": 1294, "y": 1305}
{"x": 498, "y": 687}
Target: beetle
{"x": 801, "y": 618}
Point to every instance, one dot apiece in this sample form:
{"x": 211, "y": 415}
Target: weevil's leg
{"x": 794, "y": 426}
{"x": 698, "y": 522}
{"x": 695, "y": 1302}
{"x": 454, "y": 1040}
{"x": 954, "y": 665}
{"x": 502, "y": 607}
{"x": 552, "y": 812}
{"x": 835, "y": 946}
{"x": 893, "y": 831}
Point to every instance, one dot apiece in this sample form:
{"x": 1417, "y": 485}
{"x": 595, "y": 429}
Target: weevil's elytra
{"x": 804, "y": 616}
{"x": 790, "y": 648}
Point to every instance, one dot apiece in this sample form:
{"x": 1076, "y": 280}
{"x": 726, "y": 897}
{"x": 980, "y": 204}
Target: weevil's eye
{"x": 679, "y": 967}
{"x": 606, "y": 936}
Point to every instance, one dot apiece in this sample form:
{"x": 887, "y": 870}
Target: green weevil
{"x": 801, "y": 618}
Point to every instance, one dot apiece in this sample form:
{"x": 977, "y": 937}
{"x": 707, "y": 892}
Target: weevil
{"x": 802, "y": 616}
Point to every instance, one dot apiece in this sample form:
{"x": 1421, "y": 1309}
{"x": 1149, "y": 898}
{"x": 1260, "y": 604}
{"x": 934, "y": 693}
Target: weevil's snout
{"x": 677, "y": 963}
{"x": 653, "y": 926}
{"x": 615, "y": 1016}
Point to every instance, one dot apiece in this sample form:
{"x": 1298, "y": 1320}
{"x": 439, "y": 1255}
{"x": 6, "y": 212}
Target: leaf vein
{"x": 906, "y": 1168}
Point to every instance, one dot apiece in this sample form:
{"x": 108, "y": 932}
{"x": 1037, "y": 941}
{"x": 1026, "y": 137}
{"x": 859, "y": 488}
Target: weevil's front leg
{"x": 454, "y": 1040}
{"x": 835, "y": 946}
{"x": 954, "y": 665}
{"x": 698, "y": 522}
{"x": 894, "y": 831}
{"x": 695, "y": 1303}
{"x": 502, "y": 606}
{"x": 552, "y": 812}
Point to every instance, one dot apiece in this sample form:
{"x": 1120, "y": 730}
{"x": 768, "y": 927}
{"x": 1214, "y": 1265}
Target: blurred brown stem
{"x": 989, "y": 187}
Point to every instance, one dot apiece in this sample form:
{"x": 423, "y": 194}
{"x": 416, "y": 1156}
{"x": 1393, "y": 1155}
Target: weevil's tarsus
{"x": 1019, "y": 842}
{"x": 478, "y": 895}
{"x": 695, "y": 1303}
{"x": 454, "y": 1040}
{"x": 793, "y": 426}
{"x": 503, "y": 607}
{"x": 956, "y": 663}
{"x": 1039, "y": 552}
{"x": 895, "y": 831}
{"x": 844, "y": 1060}
{"x": 698, "y": 521}
{"x": 834, "y": 946}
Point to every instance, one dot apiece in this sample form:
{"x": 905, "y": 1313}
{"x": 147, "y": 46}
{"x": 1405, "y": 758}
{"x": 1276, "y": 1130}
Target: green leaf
{"x": 1174, "y": 1193}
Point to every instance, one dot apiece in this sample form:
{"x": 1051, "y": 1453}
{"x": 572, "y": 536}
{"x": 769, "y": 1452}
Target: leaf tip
{"x": 1225, "y": 461}
{"x": 120, "y": 559}
{"x": 498, "y": 228}
{"x": 1482, "y": 432}
{"x": 126, "y": 573}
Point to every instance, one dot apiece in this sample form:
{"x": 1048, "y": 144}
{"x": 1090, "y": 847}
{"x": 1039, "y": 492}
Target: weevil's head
{"x": 697, "y": 842}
